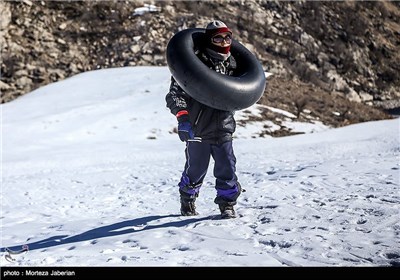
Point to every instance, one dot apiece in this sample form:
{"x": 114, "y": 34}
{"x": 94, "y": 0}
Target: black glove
{"x": 185, "y": 130}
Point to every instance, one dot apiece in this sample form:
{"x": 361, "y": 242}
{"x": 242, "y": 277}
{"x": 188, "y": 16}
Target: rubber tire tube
{"x": 223, "y": 92}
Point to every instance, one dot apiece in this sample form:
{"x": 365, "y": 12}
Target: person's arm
{"x": 177, "y": 100}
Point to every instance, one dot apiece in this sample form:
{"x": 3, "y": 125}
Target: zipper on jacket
{"x": 198, "y": 117}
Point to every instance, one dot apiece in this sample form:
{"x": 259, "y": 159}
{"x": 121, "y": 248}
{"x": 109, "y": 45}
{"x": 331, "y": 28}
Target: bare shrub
{"x": 300, "y": 104}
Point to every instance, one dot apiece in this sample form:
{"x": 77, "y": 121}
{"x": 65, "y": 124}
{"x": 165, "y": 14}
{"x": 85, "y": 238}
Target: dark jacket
{"x": 211, "y": 125}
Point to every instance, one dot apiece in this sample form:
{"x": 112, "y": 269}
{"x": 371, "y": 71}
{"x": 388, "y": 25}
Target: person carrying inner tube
{"x": 207, "y": 131}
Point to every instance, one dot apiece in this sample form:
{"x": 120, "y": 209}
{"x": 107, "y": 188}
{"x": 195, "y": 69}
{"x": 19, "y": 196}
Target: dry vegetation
{"x": 323, "y": 54}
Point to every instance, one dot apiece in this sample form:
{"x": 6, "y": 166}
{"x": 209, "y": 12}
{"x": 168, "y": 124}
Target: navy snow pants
{"x": 197, "y": 161}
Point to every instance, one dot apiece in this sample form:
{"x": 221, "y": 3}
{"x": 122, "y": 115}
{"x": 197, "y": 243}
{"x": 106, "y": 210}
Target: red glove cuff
{"x": 181, "y": 113}
{"x": 182, "y": 116}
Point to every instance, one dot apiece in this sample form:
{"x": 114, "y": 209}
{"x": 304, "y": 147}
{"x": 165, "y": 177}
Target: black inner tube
{"x": 223, "y": 92}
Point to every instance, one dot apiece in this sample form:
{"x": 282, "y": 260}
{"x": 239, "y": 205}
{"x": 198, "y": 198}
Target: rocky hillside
{"x": 337, "y": 62}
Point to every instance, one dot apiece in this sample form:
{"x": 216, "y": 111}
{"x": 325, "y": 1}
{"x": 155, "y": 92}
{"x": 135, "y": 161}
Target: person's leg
{"x": 226, "y": 184}
{"x": 197, "y": 161}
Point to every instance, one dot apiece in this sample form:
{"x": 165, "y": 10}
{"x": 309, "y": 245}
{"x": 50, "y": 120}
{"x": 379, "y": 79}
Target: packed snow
{"x": 90, "y": 167}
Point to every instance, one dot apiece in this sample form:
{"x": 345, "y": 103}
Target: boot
{"x": 188, "y": 208}
{"x": 227, "y": 211}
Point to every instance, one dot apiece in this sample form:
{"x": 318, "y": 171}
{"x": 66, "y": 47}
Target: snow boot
{"x": 188, "y": 208}
{"x": 227, "y": 211}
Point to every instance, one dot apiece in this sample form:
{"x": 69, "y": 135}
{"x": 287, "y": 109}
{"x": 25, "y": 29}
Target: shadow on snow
{"x": 107, "y": 231}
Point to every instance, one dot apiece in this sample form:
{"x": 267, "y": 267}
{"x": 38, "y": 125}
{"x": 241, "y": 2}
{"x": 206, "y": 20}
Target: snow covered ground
{"x": 90, "y": 167}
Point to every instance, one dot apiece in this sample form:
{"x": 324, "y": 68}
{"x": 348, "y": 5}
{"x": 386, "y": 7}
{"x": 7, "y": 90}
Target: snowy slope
{"x": 90, "y": 167}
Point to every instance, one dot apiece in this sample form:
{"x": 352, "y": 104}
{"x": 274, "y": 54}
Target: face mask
{"x": 220, "y": 43}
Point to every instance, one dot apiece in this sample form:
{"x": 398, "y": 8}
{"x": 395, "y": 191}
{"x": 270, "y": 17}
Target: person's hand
{"x": 185, "y": 131}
